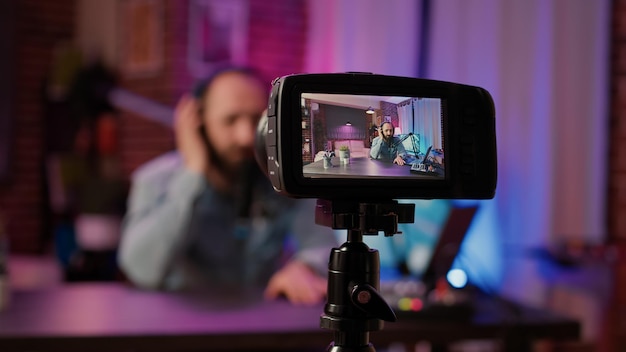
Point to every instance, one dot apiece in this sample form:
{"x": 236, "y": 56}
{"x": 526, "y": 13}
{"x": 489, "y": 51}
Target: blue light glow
{"x": 457, "y": 278}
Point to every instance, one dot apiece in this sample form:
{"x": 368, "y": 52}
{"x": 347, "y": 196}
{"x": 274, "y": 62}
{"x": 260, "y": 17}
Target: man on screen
{"x": 386, "y": 146}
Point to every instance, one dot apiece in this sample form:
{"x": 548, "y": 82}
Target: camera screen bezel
{"x": 469, "y": 139}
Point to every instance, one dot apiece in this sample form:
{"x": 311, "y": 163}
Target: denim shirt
{"x": 383, "y": 151}
{"x": 180, "y": 233}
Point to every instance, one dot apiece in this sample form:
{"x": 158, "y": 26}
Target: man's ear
{"x": 200, "y": 112}
{"x": 203, "y": 134}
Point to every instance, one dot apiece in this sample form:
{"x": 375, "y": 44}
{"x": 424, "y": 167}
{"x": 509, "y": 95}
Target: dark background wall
{"x": 338, "y": 116}
{"x": 276, "y": 45}
{"x": 6, "y": 92}
{"x": 37, "y": 27}
{"x": 616, "y": 216}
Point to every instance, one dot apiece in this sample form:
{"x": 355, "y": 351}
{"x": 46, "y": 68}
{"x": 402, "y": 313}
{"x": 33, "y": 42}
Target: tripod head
{"x": 354, "y": 307}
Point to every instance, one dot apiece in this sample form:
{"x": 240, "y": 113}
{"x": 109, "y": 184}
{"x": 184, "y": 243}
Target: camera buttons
{"x": 270, "y": 137}
{"x": 273, "y": 100}
{"x": 273, "y": 168}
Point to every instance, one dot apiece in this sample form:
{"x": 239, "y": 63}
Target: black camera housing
{"x": 468, "y": 137}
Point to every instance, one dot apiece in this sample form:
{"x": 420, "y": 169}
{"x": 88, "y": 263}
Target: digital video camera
{"x": 324, "y": 137}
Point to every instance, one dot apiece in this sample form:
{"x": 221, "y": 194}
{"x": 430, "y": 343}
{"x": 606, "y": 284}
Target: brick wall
{"x": 277, "y": 36}
{"x": 391, "y": 110}
{"x": 276, "y": 46}
{"x": 617, "y": 163}
{"x": 39, "y": 26}
{"x": 142, "y": 139}
{"x": 615, "y": 338}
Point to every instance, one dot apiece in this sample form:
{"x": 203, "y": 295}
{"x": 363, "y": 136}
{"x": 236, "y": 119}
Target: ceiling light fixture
{"x": 348, "y": 123}
{"x": 370, "y": 111}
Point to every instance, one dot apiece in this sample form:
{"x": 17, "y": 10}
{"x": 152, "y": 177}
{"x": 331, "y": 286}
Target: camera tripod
{"x": 354, "y": 307}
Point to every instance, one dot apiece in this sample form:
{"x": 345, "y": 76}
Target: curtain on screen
{"x": 427, "y": 117}
{"x": 405, "y": 116}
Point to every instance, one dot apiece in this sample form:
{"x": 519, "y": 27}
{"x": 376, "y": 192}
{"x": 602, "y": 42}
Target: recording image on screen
{"x": 369, "y": 137}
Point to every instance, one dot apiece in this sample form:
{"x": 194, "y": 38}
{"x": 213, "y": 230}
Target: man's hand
{"x": 398, "y": 160}
{"x": 299, "y": 283}
{"x": 187, "y": 126}
{"x": 193, "y": 148}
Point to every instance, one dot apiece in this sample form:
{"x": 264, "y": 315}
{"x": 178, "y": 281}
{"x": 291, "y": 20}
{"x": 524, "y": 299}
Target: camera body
{"x": 446, "y": 147}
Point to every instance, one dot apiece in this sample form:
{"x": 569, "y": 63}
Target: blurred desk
{"x": 29, "y": 272}
{"x": 114, "y": 317}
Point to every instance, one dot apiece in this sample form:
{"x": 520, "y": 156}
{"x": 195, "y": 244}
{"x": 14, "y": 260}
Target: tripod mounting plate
{"x": 368, "y": 217}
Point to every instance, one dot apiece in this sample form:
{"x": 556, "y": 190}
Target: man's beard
{"x": 229, "y": 167}
{"x": 245, "y": 173}
{"x": 387, "y": 139}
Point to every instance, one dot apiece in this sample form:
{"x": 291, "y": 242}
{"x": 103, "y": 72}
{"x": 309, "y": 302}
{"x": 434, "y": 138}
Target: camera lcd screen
{"x": 372, "y": 137}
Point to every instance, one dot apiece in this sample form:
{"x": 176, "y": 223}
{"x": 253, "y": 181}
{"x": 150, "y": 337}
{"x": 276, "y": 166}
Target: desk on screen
{"x": 361, "y": 168}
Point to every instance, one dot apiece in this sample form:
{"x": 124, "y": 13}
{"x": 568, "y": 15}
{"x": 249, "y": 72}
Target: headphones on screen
{"x": 389, "y": 122}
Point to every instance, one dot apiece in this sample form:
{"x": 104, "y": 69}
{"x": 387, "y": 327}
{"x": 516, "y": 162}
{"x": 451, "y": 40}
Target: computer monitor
{"x": 414, "y": 263}
{"x": 449, "y": 243}
{"x": 426, "y": 248}
{"x": 427, "y": 154}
